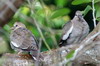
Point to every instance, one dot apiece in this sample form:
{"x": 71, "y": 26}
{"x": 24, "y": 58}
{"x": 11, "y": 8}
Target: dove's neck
{"x": 75, "y": 18}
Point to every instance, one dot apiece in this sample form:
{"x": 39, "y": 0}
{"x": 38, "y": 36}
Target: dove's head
{"x": 18, "y": 25}
{"x": 78, "y": 14}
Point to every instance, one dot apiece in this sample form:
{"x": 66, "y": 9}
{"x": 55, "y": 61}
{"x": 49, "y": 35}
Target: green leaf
{"x": 7, "y": 27}
{"x": 61, "y": 3}
{"x": 98, "y": 19}
{"x": 77, "y": 2}
{"x": 25, "y": 10}
{"x": 60, "y": 12}
{"x": 97, "y": 7}
{"x": 97, "y": 11}
{"x": 96, "y": 1}
{"x": 87, "y": 9}
{"x": 40, "y": 13}
{"x": 57, "y": 23}
{"x": 70, "y": 55}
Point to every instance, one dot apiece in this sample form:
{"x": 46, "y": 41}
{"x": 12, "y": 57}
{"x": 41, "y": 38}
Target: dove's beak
{"x": 80, "y": 16}
{"x": 12, "y": 28}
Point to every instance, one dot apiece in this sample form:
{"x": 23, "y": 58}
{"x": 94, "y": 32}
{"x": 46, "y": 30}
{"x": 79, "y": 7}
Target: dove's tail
{"x": 36, "y": 55}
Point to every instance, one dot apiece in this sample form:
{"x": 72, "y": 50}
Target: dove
{"x": 74, "y": 31}
{"x": 22, "y": 40}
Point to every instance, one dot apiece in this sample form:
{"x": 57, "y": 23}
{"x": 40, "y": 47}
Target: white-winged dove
{"x": 23, "y": 40}
{"x": 75, "y": 30}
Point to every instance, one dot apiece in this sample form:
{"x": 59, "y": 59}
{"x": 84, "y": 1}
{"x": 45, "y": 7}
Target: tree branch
{"x": 87, "y": 52}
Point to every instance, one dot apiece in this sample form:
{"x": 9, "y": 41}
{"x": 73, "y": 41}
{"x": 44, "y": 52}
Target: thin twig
{"x": 39, "y": 28}
{"x": 93, "y": 13}
{"x": 48, "y": 23}
{"x": 38, "y": 55}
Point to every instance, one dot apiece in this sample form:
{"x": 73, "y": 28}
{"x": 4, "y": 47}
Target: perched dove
{"x": 23, "y": 40}
{"x": 75, "y": 30}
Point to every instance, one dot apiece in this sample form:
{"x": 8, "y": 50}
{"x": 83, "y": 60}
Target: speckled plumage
{"x": 22, "y": 39}
{"x": 75, "y": 30}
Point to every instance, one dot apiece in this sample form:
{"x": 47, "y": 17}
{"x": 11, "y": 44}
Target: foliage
{"x": 50, "y": 18}
{"x": 96, "y": 4}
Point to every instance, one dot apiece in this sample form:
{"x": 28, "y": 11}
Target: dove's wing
{"x": 16, "y": 38}
{"x": 67, "y": 29}
{"x": 23, "y": 39}
{"x": 29, "y": 42}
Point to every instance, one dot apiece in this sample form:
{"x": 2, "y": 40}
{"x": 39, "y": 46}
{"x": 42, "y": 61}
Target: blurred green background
{"x": 50, "y": 16}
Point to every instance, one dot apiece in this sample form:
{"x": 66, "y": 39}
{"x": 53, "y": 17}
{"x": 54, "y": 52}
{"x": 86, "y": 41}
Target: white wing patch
{"x": 16, "y": 45}
{"x": 67, "y": 33}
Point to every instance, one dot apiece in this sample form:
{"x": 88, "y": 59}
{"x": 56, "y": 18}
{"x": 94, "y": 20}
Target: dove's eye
{"x": 16, "y": 25}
